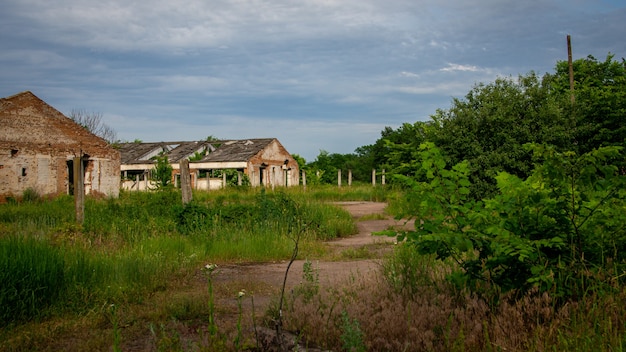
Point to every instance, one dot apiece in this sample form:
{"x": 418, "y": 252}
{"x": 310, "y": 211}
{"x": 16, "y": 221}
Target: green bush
{"x": 561, "y": 230}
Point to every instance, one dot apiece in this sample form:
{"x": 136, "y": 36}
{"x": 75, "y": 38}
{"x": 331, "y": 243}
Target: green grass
{"x": 129, "y": 247}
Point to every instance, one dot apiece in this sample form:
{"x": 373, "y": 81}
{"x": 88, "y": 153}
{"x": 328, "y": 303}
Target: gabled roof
{"x": 237, "y": 150}
{"x": 218, "y": 151}
{"x": 144, "y": 153}
{"x": 28, "y": 120}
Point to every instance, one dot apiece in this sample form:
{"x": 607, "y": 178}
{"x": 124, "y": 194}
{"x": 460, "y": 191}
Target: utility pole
{"x": 571, "y": 68}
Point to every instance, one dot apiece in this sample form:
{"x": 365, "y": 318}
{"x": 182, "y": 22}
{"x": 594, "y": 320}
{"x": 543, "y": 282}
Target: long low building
{"x": 257, "y": 162}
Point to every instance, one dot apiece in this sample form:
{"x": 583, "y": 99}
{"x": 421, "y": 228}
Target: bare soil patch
{"x": 270, "y": 276}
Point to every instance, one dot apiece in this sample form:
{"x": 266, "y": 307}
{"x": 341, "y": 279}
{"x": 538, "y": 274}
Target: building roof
{"x": 237, "y": 150}
{"x": 28, "y": 120}
{"x": 144, "y": 153}
{"x": 215, "y": 151}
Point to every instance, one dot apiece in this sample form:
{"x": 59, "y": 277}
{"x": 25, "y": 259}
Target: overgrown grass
{"x": 409, "y": 306}
{"x": 131, "y": 246}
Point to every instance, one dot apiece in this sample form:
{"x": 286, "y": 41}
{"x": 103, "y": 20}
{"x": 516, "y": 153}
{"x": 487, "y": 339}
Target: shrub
{"x": 561, "y": 230}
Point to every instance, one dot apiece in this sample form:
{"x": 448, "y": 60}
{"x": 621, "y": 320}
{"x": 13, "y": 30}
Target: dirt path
{"x": 266, "y": 279}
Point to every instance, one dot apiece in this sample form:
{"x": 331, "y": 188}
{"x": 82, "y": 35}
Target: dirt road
{"x": 266, "y": 279}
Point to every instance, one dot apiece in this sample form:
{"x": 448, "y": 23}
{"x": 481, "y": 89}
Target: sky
{"x": 316, "y": 74}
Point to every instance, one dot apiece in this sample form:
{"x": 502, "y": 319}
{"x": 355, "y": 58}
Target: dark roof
{"x": 237, "y": 150}
{"x": 219, "y": 151}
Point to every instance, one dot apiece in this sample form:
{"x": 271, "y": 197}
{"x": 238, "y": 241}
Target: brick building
{"x": 38, "y": 145}
{"x": 260, "y": 161}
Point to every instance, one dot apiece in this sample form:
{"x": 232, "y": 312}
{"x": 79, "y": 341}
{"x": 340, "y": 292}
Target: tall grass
{"x": 409, "y": 306}
{"x": 32, "y": 277}
{"x": 133, "y": 245}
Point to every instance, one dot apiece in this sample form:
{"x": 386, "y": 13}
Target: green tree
{"x": 599, "y": 111}
{"x": 162, "y": 172}
{"x": 489, "y": 126}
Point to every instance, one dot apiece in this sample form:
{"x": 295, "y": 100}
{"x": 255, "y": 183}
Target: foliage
{"x": 352, "y": 336}
{"x": 600, "y": 101}
{"x": 324, "y": 169}
{"x": 561, "y": 230}
{"x": 162, "y": 172}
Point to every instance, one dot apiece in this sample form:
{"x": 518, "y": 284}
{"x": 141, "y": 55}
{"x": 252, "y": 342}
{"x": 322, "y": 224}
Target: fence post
{"x": 79, "y": 189}
{"x": 373, "y": 177}
{"x": 185, "y": 181}
{"x": 339, "y": 178}
{"x": 383, "y": 178}
{"x": 349, "y": 177}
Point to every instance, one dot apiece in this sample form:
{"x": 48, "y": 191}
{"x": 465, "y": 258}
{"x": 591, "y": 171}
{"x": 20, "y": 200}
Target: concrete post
{"x": 373, "y": 177}
{"x": 383, "y": 177}
{"x": 350, "y": 177}
{"x": 185, "y": 181}
{"x": 339, "y": 178}
{"x": 79, "y": 189}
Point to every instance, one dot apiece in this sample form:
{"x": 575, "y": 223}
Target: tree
{"x": 300, "y": 160}
{"x": 162, "y": 172}
{"x": 599, "y": 111}
{"x": 94, "y": 124}
{"x": 489, "y": 126}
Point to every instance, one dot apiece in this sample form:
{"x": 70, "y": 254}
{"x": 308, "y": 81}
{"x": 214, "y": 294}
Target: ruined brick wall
{"x": 274, "y": 156}
{"x": 36, "y": 143}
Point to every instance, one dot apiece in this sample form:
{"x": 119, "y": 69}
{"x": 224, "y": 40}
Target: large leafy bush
{"x": 560, "y": 230}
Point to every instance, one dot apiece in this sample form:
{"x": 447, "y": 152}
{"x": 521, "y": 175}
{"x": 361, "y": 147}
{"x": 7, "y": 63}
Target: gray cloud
{"x": 317, "y": 74}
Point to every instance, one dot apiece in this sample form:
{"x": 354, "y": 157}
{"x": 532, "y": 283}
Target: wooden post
{"x": 373, "y": 177}
{"x": 339, "y": 178}
{"x": 223, "y": 179}
{"x": 185, "y": 181}
{"x": 239, "y": 182}
{"x": 79, "y": 189}
{"x": 571, "y": 68}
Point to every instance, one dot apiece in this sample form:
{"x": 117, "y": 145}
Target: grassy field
{"x": 132, "y": 265}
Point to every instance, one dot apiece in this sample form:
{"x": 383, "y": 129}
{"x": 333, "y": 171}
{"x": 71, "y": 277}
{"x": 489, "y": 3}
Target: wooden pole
{"x": 79, "y": 189}
{"x": 571, "y": 68}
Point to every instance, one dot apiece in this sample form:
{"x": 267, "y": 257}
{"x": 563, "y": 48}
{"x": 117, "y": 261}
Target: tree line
{"x": 490, "y": 124}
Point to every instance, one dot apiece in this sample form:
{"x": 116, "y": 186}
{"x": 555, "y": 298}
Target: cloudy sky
{"x": 316, "y": 74}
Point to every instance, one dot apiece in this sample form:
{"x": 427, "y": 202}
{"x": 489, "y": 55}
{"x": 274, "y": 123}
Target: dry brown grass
{"x": 439, "y": 319}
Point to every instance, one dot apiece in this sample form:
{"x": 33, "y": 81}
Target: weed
{"x": 209, "y": 269}
{"x": 352, "y": 336}
{"x": 240, "y": 296}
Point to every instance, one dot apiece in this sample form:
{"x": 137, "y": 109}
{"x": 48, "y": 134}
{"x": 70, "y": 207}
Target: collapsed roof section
{"x": 222, "y": 151}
